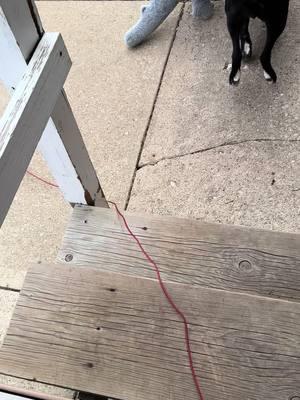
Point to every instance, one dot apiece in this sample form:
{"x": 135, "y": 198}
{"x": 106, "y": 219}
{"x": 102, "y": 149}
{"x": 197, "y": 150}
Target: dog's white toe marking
{"x": 237, "y": 76}
{"x": 267, "y": 76}
{"x": 247, "y": 49}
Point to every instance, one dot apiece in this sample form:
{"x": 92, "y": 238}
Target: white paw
{"x": 237, "y": 77}
{"x": 247, "y": 48}
{"x": 267, "y": 76}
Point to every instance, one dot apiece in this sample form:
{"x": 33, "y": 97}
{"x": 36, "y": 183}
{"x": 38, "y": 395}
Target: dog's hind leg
{"x": 273, "y": 33}
{"x": 246, "y": 43}
{"x": 235, "y": 24}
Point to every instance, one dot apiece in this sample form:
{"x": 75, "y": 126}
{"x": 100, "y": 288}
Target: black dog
{"x": 273, "y": 12}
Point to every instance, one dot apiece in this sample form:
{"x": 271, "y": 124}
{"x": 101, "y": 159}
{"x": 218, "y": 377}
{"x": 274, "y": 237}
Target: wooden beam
{"x": 61, "y": 145}
{"x": 14, "y": 393}
{"x": 116, "y": 335}
{"x": 26, "y": 26}
{"x": 27, "y": 113}
{"x": 212, "y": 255}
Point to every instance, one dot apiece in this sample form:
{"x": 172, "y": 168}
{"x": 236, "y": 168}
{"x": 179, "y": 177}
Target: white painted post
{"x": 61, "y": 145}
{"x": 27, "y": 113}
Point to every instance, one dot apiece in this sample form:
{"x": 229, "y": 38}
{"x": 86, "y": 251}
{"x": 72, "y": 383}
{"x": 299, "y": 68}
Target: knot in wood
{"x": 245, "y": 266}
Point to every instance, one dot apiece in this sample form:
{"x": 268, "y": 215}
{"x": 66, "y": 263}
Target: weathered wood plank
{"x": 117, "y": 336}
{"x": 192, "y": 252}
{"x": 27, "y": 113}
{"x": 61, "y": 145}
{"x": 13, "y": 393}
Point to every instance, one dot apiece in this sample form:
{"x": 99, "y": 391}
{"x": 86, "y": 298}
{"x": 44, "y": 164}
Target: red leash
{"x": 162, "y": 286}
{"x": 41, "y": 179}
{"x": 170, "y": 300}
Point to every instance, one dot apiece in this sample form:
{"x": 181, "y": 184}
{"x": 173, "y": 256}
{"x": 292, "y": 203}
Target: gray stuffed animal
{"x": 153, "y": 14}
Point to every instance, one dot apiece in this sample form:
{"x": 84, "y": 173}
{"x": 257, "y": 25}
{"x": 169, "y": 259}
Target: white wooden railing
{"x": 33, "y": 67}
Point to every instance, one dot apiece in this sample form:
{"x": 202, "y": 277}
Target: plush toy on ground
{"x": 153, "y": 14}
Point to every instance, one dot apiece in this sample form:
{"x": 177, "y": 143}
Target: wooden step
{"x": 115, "y": 335}
{"x": 192, "y": 252}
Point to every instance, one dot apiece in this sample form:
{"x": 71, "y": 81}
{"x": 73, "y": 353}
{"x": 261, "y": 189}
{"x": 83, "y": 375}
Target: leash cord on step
{"x": 161, "y": 284}
{"x": 170, "y": 300}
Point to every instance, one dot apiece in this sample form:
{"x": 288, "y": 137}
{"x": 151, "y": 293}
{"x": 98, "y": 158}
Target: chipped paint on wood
{"x": 27, "y": 113}
{"x": 61, "y": 144}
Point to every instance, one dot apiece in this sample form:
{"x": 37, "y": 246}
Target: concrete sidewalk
{"x": 164, "y": 130}
{"x": 223, "y": 154}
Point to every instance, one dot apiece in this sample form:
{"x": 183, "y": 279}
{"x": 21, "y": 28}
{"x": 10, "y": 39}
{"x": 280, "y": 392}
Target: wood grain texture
{"x": 116, "y": 335}
{"x": 192, "y": 252}
{"x": 28, "y": 112}
{"x": 14, "y": 393}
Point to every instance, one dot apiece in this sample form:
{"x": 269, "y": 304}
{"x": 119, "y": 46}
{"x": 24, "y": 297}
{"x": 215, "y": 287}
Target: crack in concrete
{"x": 230, "y": 143}
{"x": 9, "y": 289}
{"x": 154, "y": 103}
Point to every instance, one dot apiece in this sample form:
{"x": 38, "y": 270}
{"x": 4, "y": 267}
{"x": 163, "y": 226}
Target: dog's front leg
{"x": 235, "y": 24}
{"x": 246, "y": 42}
{"x": 273, "y": 33}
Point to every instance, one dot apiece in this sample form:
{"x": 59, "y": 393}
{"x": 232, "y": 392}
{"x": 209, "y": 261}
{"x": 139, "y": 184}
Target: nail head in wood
{"x": 68, "y": 258}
